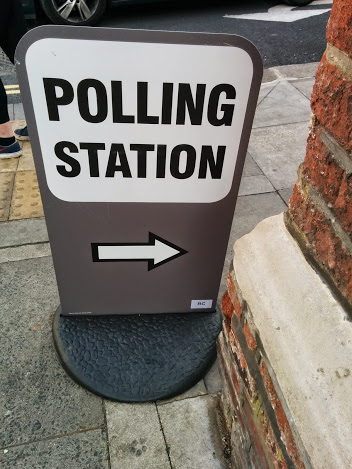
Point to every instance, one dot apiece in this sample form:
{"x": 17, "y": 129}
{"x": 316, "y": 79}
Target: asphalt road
{"x": 279, "y": 42}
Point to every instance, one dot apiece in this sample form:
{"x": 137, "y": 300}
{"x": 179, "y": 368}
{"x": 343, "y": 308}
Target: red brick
{"x": 241, "y": 456}
{"x": 251, "y": 342}
{"x": 274, "y": 450}
{"x": 226, "y": 324}
{"x": 257, "y": 437}
{"x": 236, "y": 348}
{"x": 324, "y": 245}
{"x": 339, "y": 29}
{"x": 226, "y": 305}
{"x": 235, "y": 381}
{"x": 343, "y": 204}
{"x": 320, "y": 168}
{"x": 332, "y": 102}
{"x": 275, "y": 402}
{"x": 235, "y": 393}
{"x": 227, "y": 370}
{"x": 276, "y": 455}
{"x": 321, "y": 171}
{"x": 255, "y": 462}
{"x": 231, "y": 288}
{"x": 304, "y": 215}
{"x": 281, "y": 418}
{"x": 242, "y": 367}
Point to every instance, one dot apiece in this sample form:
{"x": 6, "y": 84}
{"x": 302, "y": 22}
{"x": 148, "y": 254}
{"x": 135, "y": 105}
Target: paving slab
{"x": 192, "y": 433}
{"x": 6, "y": 187}
{"x": 212, "y": 379}
{"x": 293, "y": 71}
{"x": 250, "y": 167}
{"x": 269, "y": 75}
{"x": 296, "y": 70}
{"x": 284, "y": 105}
{"x": 197, "y": 390}
{"x": 37, "y": 398}
{"x": 278, "y": 151}
{"x": 286, "y": 194}
{"x": 304, "y": 86}
{"x": 18, "y": 112}
{"x": 136, "y": 439}
{"x": 8, "y": 165}
{"x": 250, "y": 210}
{"x": 30, "y": 231}
{"x": 27, "y": 251}
{"x": 265, "y": 89}
{"x": 26, "y": 201}
{"x": 26, "y": 162}
{"x": 255, "y": 185}
{"x": 87, "y": 450}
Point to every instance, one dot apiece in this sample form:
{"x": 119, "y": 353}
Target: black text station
{"x": 194, "y": 106}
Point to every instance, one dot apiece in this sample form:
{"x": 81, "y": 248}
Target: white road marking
{"x": 284, "y": 13}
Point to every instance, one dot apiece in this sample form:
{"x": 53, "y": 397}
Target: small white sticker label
{"x": 200, "y": 304}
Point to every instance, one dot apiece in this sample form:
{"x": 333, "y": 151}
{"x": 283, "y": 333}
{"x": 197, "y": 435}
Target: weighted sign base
{"x": 137, "y": 358}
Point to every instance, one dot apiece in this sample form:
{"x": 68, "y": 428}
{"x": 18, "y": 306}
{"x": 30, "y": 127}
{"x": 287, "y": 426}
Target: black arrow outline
{"x": 151, "y": 242}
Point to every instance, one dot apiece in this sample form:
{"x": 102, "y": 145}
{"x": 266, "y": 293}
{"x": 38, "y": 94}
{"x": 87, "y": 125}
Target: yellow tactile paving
{"x": 26, "y": 162}
{"x": 6, "y": 187}
{"x": 11, "y": 164}
{"x": 26, "y": 201}
{"x": 19, "y": 192}
{"x": 8, "y": 165}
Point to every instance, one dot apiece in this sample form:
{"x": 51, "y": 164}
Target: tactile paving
{"x": 8, "y": 165}
{"x": 6, "y": 187}
{"x": 26, "y": 162}
{"x": 26, "y": 201}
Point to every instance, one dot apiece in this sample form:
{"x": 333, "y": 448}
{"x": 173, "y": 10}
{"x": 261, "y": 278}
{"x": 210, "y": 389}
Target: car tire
{"x": 74, "y": 12}
{"x": 298, "y": 3}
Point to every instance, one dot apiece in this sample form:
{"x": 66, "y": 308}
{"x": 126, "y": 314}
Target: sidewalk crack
{"x": 162, "y": 431}
{"x": 54, "y": 437}
{"x": 107, "y": 435}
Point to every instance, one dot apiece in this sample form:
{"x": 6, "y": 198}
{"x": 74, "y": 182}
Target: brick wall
{"x": 319, "y": 217}
{"x": 261, "y": 436}
{"x": 320, "y": 210}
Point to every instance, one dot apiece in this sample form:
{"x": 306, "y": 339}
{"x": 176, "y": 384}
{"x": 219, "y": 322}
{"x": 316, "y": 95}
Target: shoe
{"x": 22, "y": 134}
{"x": 10, "y": 151}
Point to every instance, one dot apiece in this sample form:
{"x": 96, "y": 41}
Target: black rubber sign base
{"x": 137, "y": 358}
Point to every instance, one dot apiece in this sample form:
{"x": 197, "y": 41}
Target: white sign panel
{"x": 143, "y": 117}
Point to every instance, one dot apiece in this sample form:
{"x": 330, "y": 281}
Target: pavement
{"x": 46, "y": 419}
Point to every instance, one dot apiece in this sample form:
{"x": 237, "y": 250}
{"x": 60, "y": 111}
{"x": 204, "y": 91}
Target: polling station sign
{"x": 139, "y": 139}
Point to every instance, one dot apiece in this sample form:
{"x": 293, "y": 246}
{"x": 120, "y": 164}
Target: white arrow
{"x": 284, "y": 13}
{"x": 156, "y": 252}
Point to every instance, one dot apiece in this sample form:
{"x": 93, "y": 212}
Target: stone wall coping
{"x": 306, "y": 336}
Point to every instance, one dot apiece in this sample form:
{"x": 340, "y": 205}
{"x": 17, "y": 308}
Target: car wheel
{"x": 298, "y": 3}
{"x": 74, "y": 12}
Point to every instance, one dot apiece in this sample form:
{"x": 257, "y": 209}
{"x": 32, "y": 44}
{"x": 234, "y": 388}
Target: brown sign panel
{"x": 139, "y": 140}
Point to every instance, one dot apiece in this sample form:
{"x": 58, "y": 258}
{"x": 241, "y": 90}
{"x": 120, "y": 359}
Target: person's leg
{"x": 5, "y": 127}
{"x": 8, "y": 145}
{"x": 12, "y": 26}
